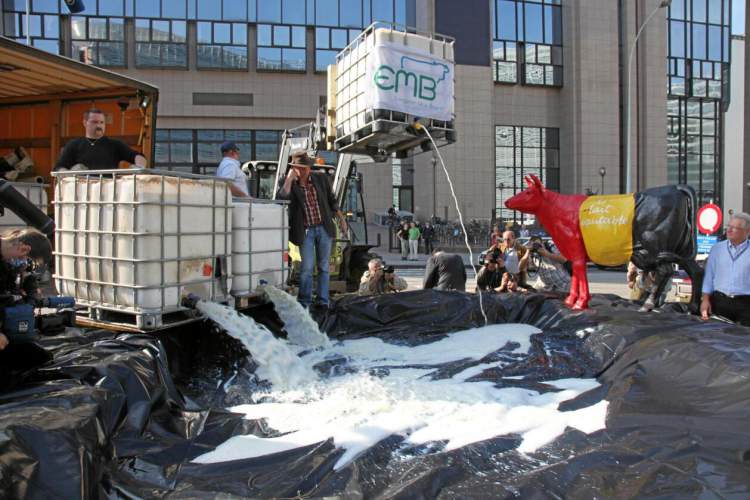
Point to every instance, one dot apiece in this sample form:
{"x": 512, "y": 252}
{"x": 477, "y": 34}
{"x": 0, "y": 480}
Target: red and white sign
{"x": 709, "y": 218}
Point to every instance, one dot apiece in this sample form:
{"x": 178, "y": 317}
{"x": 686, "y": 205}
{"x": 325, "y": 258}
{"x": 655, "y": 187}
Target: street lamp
{"x": 628, "y": 166}
{"x": 602, "y": 172}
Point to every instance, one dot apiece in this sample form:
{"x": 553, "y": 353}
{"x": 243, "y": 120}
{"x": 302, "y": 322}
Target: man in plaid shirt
{"x": 312, "y": 205}
{"x": 552, "y": 276}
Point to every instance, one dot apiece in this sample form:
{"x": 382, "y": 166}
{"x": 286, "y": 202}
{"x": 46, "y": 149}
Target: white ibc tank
{"x": 35, "y": 193}
{"x": 259, "y": 244}
{"x": 137, "y": 241}
{"x": 392, "y": 76}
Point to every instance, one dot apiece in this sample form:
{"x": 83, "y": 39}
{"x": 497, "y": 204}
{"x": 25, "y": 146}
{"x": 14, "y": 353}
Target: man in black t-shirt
{"x": 95, "y": 151}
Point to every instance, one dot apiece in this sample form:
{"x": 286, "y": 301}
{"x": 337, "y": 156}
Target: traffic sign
{"x": 709, "y": 218}
{"x": 705, "y": 243}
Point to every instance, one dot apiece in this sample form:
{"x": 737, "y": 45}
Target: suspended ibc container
{"x": 130, "y": 243}
{"x": 260, "y": 237}
{"x": 35, "y": 193}
{"x": 382, "y": 83}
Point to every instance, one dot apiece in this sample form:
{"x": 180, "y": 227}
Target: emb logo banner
{"x": 410, "y": 81}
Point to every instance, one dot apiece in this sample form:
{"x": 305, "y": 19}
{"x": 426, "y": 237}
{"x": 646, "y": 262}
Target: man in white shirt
{"x": 726, "y": 284}
{"x": 229, "y": 168}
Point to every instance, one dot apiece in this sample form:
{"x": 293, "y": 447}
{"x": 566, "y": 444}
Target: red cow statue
{"x": 657, "y": 232}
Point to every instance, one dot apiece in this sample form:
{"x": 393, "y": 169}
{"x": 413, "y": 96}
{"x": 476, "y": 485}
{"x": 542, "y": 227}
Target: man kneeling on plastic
{"x": 18, "y": 352}
{"x": 380, "y": 279}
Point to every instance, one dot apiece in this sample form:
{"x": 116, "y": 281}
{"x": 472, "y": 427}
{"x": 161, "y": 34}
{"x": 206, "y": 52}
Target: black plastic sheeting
{"x": 106, "y": 419}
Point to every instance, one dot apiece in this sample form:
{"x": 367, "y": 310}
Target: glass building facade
{"x": 698, "y": 79}
{"x": 222, "y": 34}
{"x": 527, "y": 42}
{"x": 198, "y": 151}
{"x": 520, "y": 151}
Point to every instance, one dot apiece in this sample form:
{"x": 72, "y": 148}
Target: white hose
{"x": 460, "y": 218}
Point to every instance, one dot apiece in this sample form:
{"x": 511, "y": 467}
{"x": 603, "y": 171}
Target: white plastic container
{"x": 384, "y": 80}
{"x": 260, "y": 237}
{"x": 136, "y": 241}
{"x": 35, "y": 193}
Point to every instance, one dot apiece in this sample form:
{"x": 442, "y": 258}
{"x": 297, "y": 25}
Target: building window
{"x": 527, "y": 42}
{"x": 328, "y": 42}
{"x": 99, "y": 40}
{"x": 160, "y": 43}
{"x": 699, "y": 49}
{"x": 693, "y": 153}
{"x": 521, "y": 151}
{"x": 281, "y": 48}
{"x": 44, "y": 29}
{"x": 174, "y": 150}
{"x": 698, "y": 74}
{"x": 222, "y": 45}
{"x": 199, "y": 151}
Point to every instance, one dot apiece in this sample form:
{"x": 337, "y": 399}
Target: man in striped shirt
{"x": 311, "y": 209}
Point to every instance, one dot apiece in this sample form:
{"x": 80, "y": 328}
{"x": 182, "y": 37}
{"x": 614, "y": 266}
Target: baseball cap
{"x": 229, "y": 146}
{"x": 301, "y": 159}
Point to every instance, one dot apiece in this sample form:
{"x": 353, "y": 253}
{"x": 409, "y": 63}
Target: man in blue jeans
{"x": 312, "y": 205}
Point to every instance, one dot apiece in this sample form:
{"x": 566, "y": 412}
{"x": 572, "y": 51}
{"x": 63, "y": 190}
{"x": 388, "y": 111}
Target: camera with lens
{"x": 535, "y": 246}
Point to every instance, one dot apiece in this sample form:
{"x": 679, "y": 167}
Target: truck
{"x": 43, "y": 98}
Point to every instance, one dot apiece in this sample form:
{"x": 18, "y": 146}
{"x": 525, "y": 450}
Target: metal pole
{"x": 628, "y": 113}
{"x": 28, "y": 22}
{"x": 434, "y": 185}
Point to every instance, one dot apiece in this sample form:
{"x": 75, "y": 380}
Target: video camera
{"x": 20, "y": 324}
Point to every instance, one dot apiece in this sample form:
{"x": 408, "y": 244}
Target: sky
{"x": 738, "y": 17}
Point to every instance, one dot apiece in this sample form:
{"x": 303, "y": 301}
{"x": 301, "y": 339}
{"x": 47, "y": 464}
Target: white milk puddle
{"x": 359, "y": 409}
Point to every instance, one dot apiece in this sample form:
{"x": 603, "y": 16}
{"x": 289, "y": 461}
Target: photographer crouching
{"x": 551, "y": 270}
{"x": 380, "y": 279}
{"x": 18, "y": 352}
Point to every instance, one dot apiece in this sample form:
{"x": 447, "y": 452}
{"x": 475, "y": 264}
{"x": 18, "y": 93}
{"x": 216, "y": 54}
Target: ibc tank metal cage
{"x": 258, "y": 225}
{"x": 381, "y": 132}
{"x": 134, "y": 241}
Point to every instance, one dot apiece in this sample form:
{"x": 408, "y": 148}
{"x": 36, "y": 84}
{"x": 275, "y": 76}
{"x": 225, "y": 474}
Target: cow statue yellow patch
{"x": 607, "y": 226}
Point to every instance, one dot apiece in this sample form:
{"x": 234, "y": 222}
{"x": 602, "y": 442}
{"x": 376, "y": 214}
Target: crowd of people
{"x": 509, "y": 266}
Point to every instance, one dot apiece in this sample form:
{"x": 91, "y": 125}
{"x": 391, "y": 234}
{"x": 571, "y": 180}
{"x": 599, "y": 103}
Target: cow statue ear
{"x": 529, "y": 181}
{"x": 537, "y": 182}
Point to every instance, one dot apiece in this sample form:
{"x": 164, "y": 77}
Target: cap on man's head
{"x": 300, "y": 159}
{"x": 229, "y": 146}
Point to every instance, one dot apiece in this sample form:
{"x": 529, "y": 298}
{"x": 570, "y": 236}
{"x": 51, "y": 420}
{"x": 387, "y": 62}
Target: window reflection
{"x": 520, "y": 151}
{"x": 527, "y": 42}
{"x": 222, "y": 45}
{"x": 160, "y": 44}
{"x": 198, "y": 151}
{"x": 99, "y": 40}
{"x": 281, "y": 48}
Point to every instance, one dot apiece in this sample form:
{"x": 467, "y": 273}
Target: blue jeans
{"x": 317, "y": 242}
